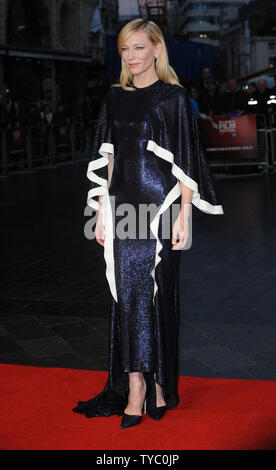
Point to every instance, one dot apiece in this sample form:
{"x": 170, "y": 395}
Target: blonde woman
{"x": 146, "y": 153}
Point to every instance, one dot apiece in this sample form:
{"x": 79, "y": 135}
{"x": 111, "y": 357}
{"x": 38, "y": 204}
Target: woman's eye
{"x": 138, "y": 47}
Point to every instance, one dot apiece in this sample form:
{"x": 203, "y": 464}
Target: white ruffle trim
{"x": 172, "y": 196}
{"x": 102, "y": 190}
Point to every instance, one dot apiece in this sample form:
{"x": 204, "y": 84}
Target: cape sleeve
{"x": 97, "y": 171}
{"x": 179, "y": 143}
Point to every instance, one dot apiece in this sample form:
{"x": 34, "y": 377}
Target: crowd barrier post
{"x": 263, "y": 141}
{"x": 273, "y": 141}
{"x": 52, "y": 144}
{"x": 15, "y": 147}
{"x": 38, "y": 144}
{"x": 89, "y": 136}
{"x": 29, "y": 147}
{"x": 77, "y": 140}
{"x": 61, "y": 140}
{"x": 4, "y": 152}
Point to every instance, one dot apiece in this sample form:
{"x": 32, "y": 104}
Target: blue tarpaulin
{"x": 96, "y": 22}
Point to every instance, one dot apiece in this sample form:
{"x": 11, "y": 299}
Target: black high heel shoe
{"x": 133, "y": 420}
{"x": 155, "y": 412}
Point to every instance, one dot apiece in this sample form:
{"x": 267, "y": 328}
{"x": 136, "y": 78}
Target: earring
{"x": 156, "y": 60}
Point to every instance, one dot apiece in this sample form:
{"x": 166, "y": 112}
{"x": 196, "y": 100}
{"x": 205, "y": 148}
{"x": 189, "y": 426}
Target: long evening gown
{"x": 153, "y": 136}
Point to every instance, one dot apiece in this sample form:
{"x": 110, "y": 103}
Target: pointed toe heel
{"x": 132, "y": 420}
{"x": 155, "y": 412}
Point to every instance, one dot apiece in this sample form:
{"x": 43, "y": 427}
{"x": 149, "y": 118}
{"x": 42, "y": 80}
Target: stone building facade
{"x": 47, "y": 49}
{"x": 206, "y": 21}
{"x": 250, "y": 41}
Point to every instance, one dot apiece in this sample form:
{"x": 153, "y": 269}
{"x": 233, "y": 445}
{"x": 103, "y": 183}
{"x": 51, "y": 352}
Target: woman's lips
{"x": 133, "y": 65}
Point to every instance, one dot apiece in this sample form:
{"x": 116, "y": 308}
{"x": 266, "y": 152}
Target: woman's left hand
{"x": 181, "y": 231}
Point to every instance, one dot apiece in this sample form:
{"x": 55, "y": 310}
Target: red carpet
{"x": 36, "y": 404}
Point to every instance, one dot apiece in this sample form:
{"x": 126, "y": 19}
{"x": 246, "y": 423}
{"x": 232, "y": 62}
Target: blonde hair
{"x": 162, "y": 67}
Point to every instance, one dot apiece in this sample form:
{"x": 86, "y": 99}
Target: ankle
{"x": 136, "y": 396}
{"x": 136, "y": 381}
{"x": 137, "y": 388}
{"x": 160, "y": 399}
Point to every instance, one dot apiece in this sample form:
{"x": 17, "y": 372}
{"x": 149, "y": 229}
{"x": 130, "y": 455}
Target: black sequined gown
{"x": 153, "y": 136}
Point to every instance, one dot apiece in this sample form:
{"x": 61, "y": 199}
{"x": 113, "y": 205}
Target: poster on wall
{"x": 230, "y": 137}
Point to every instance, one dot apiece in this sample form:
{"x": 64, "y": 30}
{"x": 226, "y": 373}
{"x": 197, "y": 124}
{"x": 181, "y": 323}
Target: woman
{"x": 146, "y": 152}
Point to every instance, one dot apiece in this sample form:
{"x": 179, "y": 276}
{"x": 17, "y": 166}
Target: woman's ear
{"x": 159, "y": 48}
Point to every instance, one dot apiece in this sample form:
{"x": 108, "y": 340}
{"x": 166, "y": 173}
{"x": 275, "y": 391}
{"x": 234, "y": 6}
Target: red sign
{"x": 18, "y": 135}
{"x": 234, "y": 137}
{"x": 64, "y": 134}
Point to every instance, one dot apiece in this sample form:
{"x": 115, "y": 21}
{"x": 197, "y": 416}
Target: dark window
{"x": 22, "y": 24}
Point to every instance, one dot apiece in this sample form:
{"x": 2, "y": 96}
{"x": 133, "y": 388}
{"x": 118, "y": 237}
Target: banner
{"x": 234, "y": 137}
{"x": 64, "y": 134}
{"x": 18, "y": 136}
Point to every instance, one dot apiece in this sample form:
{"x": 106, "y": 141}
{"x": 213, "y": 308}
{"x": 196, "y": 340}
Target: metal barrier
{"x": 60, "y": 143}
{"x": 89, "y": 136}
{"x": 273, "y": 142}
{"x": 230, "y": 167}
{"x": 14, "y": 149}
{"x": 3, "y": 159}
{"x": 78, "y": 140}
{"x": 38, "y": 146}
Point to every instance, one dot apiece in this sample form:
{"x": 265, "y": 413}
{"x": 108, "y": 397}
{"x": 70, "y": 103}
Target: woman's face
{"x": 138, "y": 52}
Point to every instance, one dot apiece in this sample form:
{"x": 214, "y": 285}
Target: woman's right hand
{"x": 99, "y": 229}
